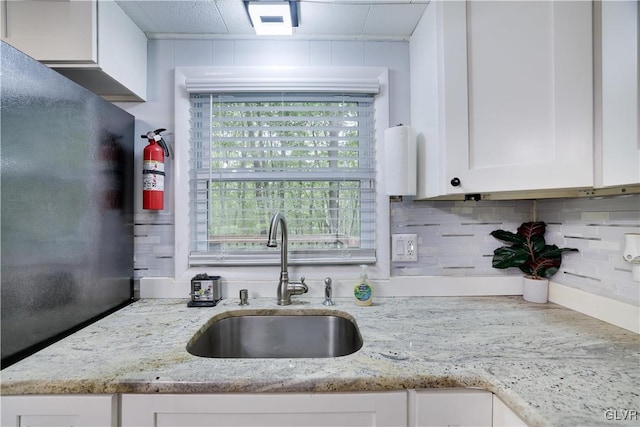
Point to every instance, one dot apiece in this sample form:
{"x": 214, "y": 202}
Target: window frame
{"x": 273, "y": 78}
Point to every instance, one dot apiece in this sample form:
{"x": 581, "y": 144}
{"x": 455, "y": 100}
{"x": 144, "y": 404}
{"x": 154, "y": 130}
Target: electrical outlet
{"x": 404, "y": 247}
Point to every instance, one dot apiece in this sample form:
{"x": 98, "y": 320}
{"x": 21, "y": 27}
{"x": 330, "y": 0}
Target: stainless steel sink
{"x": 278, "y": 335}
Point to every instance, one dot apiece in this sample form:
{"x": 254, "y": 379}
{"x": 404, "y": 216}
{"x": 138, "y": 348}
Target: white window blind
{"x": 309, "y": 156}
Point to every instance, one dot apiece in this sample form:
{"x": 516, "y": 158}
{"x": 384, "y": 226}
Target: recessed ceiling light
{"x": 272, "y": 17}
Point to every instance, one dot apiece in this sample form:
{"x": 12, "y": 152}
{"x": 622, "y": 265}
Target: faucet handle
{"x": 298, "y": 288}
{"x": 328, "y": 291}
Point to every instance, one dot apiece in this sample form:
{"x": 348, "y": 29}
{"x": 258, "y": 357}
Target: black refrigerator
{"x": 66, "y": 190}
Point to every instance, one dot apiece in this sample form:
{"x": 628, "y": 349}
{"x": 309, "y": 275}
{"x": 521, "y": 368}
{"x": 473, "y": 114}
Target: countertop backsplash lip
{"x": 550, "y": 364}
{"x": 396, "y": 286}
{"x": 612, "y": 311}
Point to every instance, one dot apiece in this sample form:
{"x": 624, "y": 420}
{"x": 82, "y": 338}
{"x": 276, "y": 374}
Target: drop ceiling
{"x": 319, "y": 19}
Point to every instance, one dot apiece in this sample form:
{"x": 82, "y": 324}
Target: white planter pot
{"x": 535, "y": 290}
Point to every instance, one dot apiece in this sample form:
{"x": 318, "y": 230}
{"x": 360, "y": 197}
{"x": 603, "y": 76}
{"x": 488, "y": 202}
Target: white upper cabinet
{"x": 92, "y": 42}
{"x": 502, "y": 96}
{"x": 616, "y": 65}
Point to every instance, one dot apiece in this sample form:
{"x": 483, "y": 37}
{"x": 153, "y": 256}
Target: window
{"x": 310, "y": 156}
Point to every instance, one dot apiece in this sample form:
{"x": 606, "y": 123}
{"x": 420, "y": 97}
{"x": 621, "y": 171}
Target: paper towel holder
{"x": 401, "y": 161}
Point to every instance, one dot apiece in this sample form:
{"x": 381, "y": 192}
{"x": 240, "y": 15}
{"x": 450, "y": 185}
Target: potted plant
{"x": 530, "y": 253}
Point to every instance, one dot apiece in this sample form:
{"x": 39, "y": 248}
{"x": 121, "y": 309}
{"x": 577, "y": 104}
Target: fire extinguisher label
{"x": 152, "y": 165}
{"x": 153, "y": 175}
{"x": 152, "y": 182}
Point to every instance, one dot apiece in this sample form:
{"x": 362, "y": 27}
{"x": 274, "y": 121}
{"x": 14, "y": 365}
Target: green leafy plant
{"x": 528, "y": 251}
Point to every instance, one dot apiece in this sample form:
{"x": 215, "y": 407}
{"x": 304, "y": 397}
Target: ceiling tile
{"x": 137, "y": 14}
{"x": 393, "y": 20}
{"x": 193, "y": 17}
{"x": 332, "y": 18}
{"x": 235, "y": 16}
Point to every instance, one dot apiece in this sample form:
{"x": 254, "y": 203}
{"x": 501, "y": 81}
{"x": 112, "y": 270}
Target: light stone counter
{"x": 551, "y": 365}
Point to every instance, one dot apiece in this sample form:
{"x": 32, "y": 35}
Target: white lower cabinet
{"x": 413, "y": 408}
{"x": 59, "y": 410}
{"x": 503, "y": 416}
{"x": 265, "y": 409}
{"x": 450, "y": 407}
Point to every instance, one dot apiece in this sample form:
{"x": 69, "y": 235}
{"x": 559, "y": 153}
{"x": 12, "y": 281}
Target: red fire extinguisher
{"x": 153, "y": 170}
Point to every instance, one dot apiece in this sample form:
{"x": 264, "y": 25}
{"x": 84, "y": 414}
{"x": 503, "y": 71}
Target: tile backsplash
{"x": 453, "y": 237}
{"x": 596, "y": 227}
{"x": 454, "y": 240}
{"x": 154, "y": 245}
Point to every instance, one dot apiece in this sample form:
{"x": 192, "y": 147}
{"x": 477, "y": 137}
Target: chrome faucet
{"x": 285, "y": 288}
{"x": 328, "y": 291}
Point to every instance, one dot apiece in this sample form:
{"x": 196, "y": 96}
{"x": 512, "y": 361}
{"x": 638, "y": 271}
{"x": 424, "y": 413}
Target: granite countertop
{"x": 551, "y": 365}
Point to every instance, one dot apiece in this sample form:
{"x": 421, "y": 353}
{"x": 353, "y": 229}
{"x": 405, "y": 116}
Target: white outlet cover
{"x": 404, "y": 247}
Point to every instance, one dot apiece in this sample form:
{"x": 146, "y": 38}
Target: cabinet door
{"x": 530, "y": 108}
{"x": 64, "y": 31}
{"x": 438, "y": 72}
{"x": 617, "y": 138}
{"x": 62, "y": 410}
{"x": 509, "y": 100}
{"x": 449, "y": 407}
{"x": 505, "y": 417}
{"x": 291, "y": 409}
{"x": 92, "y": 42}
